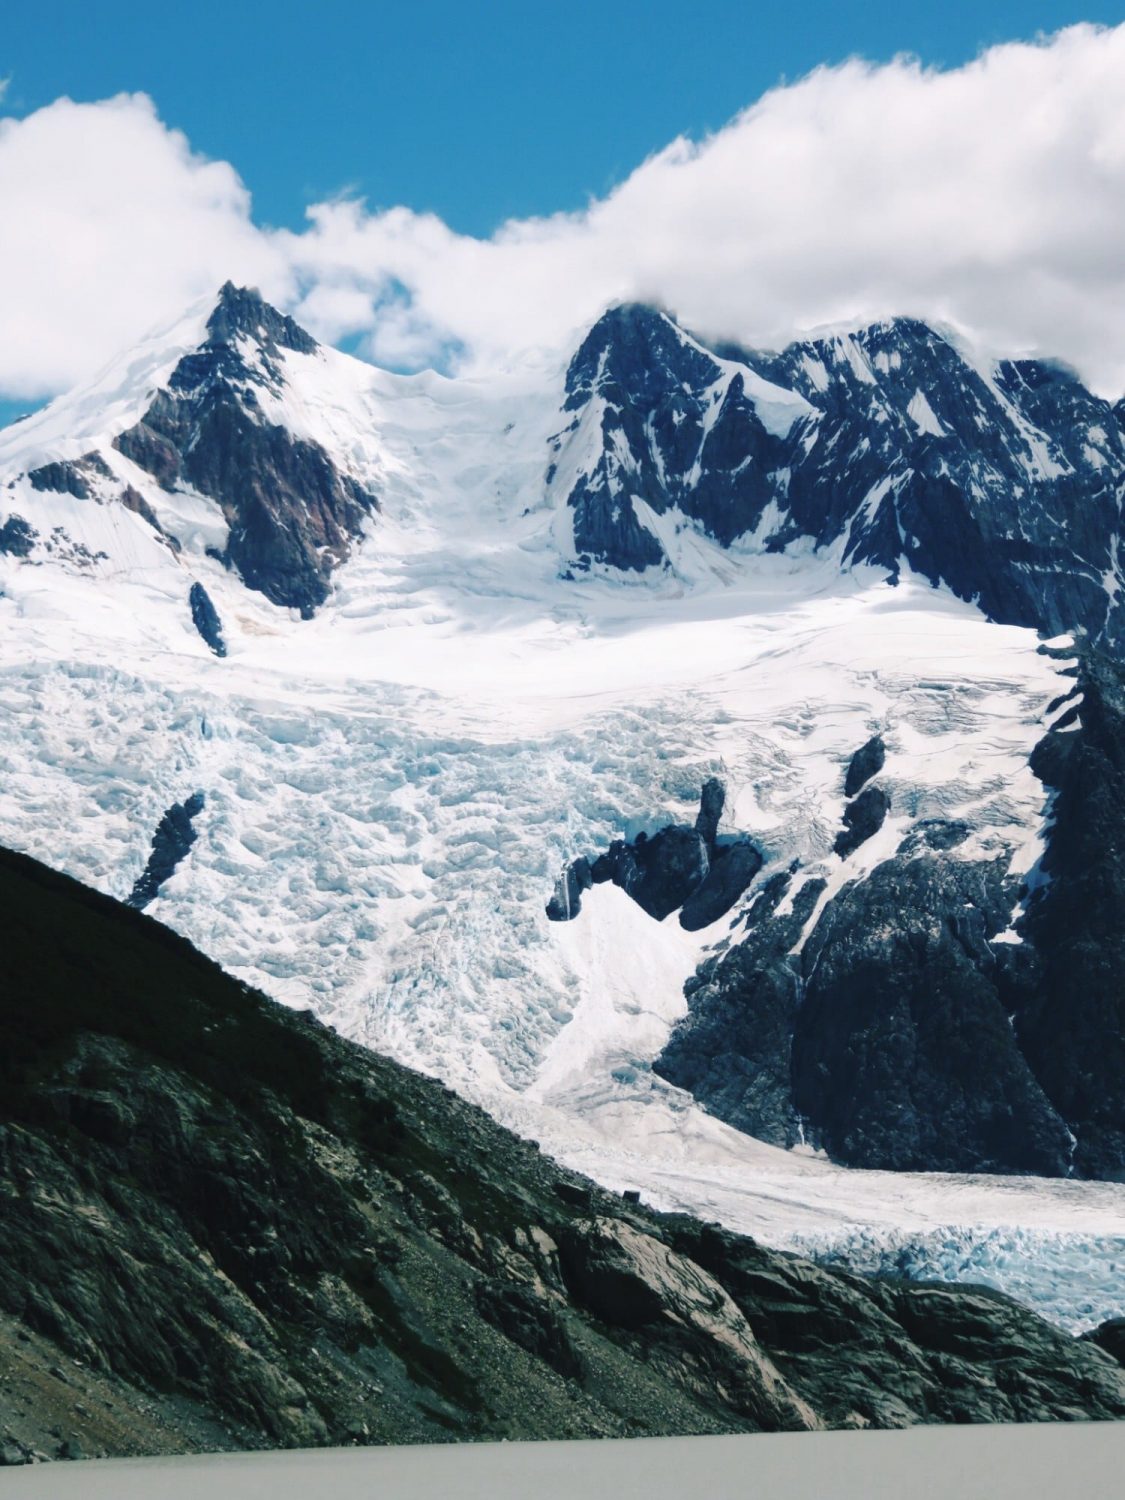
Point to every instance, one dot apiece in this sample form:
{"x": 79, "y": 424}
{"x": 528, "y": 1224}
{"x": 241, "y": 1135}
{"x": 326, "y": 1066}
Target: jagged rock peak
{"x": 637, "y": 343}
{"x": 246, "y": 338}
{"x": 293, "y": 512}
{"x": 243, "y": 310}
{"x": 891, "y": 442}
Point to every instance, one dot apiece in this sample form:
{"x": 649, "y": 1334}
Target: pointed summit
{"x": 246, "y": 340}
{"x": 220, "y": 429}
{"x": 243, "y": 310}
{"x": 638, "y": 347}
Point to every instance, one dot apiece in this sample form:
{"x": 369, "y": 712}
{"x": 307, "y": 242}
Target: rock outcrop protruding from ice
{"x": 173, "y": 838}
{"x": 689, "y": 870}
{"x": 913, "y": 1026}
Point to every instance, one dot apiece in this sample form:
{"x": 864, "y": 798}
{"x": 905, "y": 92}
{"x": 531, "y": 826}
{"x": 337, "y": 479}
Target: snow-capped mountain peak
{"x": 890, "y": 445}
{"x": 192, "y": 437}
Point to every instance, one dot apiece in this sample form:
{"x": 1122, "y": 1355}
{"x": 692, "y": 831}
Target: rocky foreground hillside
{"x": 224, "y": 1227}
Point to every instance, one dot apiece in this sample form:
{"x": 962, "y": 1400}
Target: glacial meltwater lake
{"x": 1077, "y": 1461}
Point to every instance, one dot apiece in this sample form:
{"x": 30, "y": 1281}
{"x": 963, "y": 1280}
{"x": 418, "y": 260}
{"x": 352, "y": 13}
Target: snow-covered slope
{"x": 397, "y": 759}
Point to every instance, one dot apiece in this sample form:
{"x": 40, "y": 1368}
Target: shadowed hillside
{"x": 222, "y": 1227}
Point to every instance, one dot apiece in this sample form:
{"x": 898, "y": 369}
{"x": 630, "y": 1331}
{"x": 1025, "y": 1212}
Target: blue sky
{"x": 988, "y": 195}
{"x": 478, "y": 112}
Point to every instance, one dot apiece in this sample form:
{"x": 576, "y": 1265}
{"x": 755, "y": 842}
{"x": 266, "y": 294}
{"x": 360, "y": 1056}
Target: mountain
{"x": 292, "y": 515}
{"x": 890, "y": 445}
{"x": 366, "y": 683}
{"x": 209, "y": 424}
{"x": 226, "y": 1227}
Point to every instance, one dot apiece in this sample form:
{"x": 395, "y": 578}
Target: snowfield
{"x": 393, "y": 787}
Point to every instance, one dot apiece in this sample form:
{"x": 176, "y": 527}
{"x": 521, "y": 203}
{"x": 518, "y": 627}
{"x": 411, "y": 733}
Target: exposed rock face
{"x": 205, "y": 618}
{"x": 648, "y": 389}
{"x": 249, "y": 1233}
{"x": 863, "y": 817}
{"x": 935, "y": 833}
{"x": 173, "y": 838}
{"x": 886, "y": 1039}
{"x": 732, "y": 870}
{"x": 690, "y": 870}
{"x": 1069, "y": 992}
{"x": 868, "y": 761}
{"x": 17, "y": 537}
{"x": 733, "y": 1049}
{"x": 71, "y": 477}
{"x": 292, "y": 514}
{"x": 901, "y": 1033}
{"x": 1110, "y": 1337}
{"x": 661, "y": 872}
{"x": 630, "y": 1280}
{"x": 1000, "y": 482}
{"x": 870, "y": 1363}
{"x": 903, "y": 1054}
{"x": 133, "y": 500}
{"x": 712, "y": 799}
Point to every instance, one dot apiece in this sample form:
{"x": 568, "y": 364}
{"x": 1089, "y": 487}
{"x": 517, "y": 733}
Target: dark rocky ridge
{"x": 225, "y": 1227}
{"x": 863, "y": 818}
{"x": 71, "y": 477}
{"x": 903, "y": 1036}
{"x": 173, "y": 838}
{"x": 1068, "y": 994}
{"x": 903, "y": 1054}
{"x": 733, "y": 1049}
{"x": 293, "y": 515}
{"x": 906, "y": 452}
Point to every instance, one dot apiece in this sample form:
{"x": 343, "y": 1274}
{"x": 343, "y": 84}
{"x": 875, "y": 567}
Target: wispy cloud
{"x": 991, "y": 196}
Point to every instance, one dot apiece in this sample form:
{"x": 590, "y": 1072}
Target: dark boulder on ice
{"x": 205, "y": 618}
{"x": 173, "y": 838}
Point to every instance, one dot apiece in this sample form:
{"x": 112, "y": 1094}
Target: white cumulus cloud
{"x": 111, "y": 225}
{"x": 991, "y": 197}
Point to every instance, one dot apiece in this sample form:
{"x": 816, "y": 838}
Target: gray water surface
{"x": 1061, "y": 1461}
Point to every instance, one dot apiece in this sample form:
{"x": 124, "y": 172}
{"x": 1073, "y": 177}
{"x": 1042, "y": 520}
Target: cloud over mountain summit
{"x": 990, "y": 197}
